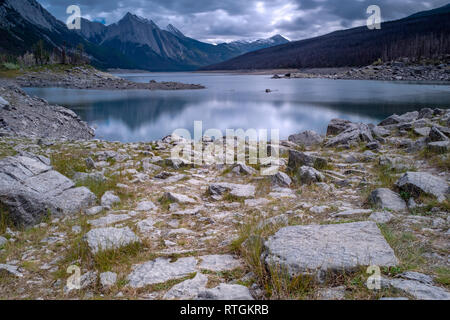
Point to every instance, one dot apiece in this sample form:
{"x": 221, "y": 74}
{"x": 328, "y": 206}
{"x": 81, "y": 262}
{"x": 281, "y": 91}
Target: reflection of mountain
{"x": 134, "y": 112}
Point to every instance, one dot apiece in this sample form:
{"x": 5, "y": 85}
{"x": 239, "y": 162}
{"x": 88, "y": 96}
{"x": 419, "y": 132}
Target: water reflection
{"x": 232, "y": 102}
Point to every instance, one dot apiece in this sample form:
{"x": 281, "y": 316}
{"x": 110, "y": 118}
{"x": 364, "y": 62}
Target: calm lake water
{"x": 240, "y": 101}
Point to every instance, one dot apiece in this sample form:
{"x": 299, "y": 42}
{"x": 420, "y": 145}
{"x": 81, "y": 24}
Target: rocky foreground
{"x": 142, "y": 225}
{"x": 89, "y": 78}
{"x": 402, "y": 70}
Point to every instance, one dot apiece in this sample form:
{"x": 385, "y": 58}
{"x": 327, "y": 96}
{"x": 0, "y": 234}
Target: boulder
{"x": 355, "y": 134}
{"x": 298, "y": 159}
{"x": 226, "y": 292}
{"x": 310, "y": 175}
{"x": 336, "y": 247}
{"x": 424, "y": 132}
{"x": 281, "y": 179}
{"x": 109, "y": 238}
{"x": 337, "y": 126}
{"x": 242, "y": 168}
{"x": 396, "y": 119}
{"x": 161, "y": 270}
{"x": 437, "y": 135}
{"x": 417, "y": 183}
{"x": 425, "y": 113}
{"x": 307, "y": 139}
{"x": 30, "y": 189}
{"x": 384, "y": 198}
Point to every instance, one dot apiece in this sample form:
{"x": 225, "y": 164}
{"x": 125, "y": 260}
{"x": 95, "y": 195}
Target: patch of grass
{"x": 406, "y": 246}
{"x": 276, "y": 281}
{"x": 385, "y": 176}
{"x": 5, "y": 220}
{"x": 69, "y": 163}
{"x": 106, "y": 260}
{"x": 6, "y": 151}
{"x": 443, "y": 276}
{"x": 438, "y": 160}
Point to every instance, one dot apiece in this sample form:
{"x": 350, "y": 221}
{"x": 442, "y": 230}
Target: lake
{"x": 233, "y": 101}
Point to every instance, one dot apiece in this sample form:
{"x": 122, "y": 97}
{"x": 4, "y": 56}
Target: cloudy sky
{"x": 226, "y": 20}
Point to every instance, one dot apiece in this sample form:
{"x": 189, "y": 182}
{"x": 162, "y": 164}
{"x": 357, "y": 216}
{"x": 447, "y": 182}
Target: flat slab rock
{"x": 29, "y": 188}
{"x": 226, "y": 292}
{"x": 161, "y": 270}
{"x": 109, "y": 238}
{"x": 337, "y": 247}
{"x": 219, "y": 263}
{"x": 188, "y": 289}
{"x": 419, "y": 290}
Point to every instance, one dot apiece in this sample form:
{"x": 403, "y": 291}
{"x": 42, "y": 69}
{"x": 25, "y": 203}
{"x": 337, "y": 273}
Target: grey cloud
{"x": 224, "y": 20}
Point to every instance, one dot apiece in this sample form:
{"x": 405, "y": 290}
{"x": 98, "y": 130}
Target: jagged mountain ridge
{"x": 131, "y": 43}
{"x": 161, "y": 48}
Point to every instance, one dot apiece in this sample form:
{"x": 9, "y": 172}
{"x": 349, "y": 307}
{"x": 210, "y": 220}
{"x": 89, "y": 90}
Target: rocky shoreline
{"x": 402, "y": 70}
{"x": 142, "y": 225}
{"x": 89, "y": 78}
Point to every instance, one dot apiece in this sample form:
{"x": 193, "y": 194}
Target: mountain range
{"x": 131, "y": 43}
{"x": 422, "y": 35}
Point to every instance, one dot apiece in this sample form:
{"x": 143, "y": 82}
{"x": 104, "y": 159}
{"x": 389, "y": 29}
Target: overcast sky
{"x": 226, "y": 20}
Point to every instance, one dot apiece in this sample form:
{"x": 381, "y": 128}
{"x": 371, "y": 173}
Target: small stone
{"x": 76, "y": 229}
{"x": 108, "y": 279}
{"x": 226, "y": 292}
{"x": 145, "y": 206}
{"x": 93, "y": 211}
{"x": 3, "y": 241}
{"x": 381, "y": 217}
{"x": 110, "y": 219}
{"x": 109, "y": 199}
{"x": 337, "y": 293}
{"x": 236, "y": 190}
{"x": 90, "y": 164}
{"x": 109, "y": 238}
{"x": 219, "y": 263}
{"x": 161, "y": 270}
{"x": 179, "y": 198}
{"x": 189, "y": 289}
{"x": 375, "y": 145}
{"x": 14, "y": 270}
